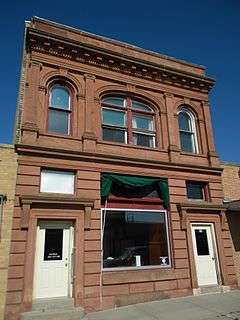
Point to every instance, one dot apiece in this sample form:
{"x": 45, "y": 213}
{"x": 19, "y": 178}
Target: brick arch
{"x": 52, "y": 76}
{"x": 196, "y": 110}
{"x": 157, "y": 103}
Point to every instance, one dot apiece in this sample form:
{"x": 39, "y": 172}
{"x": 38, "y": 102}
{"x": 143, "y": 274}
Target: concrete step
{"x": 52, "y": 309}
{"x": 52, "y": 304}
{"x": 210, "y": 289}
{"x": 69, "y": 314}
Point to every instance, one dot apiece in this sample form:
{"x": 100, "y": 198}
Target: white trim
{"x": 214, "y": 245}
{"x": 169, "y": 266}
{"x": 55, "y": 224}
{"x": 194, "y": 130}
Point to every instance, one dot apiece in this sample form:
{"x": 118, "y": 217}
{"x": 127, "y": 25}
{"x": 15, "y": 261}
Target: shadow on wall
{"x": 233, "y": 219}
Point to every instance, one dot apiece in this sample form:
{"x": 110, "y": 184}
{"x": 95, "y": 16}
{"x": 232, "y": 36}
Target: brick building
{"x": 119, "y": 191}
{"x": 231, "y": 191}
{"x": 8, "y": 171}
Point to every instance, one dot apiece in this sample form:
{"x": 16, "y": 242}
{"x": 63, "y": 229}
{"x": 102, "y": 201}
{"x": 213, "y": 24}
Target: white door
{"x": 52, "y": 277}
{"x": 205, "y": 254}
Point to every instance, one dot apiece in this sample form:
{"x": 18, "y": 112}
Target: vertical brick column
{"x": 30, "y": 127}
{"x": 172, "y": 128}
{"x": 203, "y": 136}
{"x": 212, "y": 155}
{"x": 89, "y": 138}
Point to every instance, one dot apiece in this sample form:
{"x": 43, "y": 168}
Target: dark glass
{"x": 113, "y": 117}
{"x": 143, "y": 140}
{"x": 58, "y": 121}
{"x": 195, "y": 191}
{"x": 114, "y": 101}
{"x": 202, "y": 242}
{"x": 184, "y": 121}
{"x": 134, "y": 238}
{"x": 53, "y": 244}
{"x": 60, "y": 97}
{"x": 140, "y": 106}
{"x": 113, "y": 135}
{"x": 186, "y": 141}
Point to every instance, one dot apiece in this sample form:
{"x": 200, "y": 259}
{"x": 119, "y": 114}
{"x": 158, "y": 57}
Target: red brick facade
{"x": 92, "y": 67}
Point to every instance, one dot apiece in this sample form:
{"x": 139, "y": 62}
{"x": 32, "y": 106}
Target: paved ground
{"x": 220, "y": 306}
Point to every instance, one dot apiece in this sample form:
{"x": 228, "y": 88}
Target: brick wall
{"x": 231, "y": 181}
{"x": 231, "y": 187}
{"x": 8, "y": 167}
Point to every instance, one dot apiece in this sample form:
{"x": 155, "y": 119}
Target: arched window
{"x": 187, "y": 131}
{"x": 59, "y": 109}
{"x": 128, "y": 121}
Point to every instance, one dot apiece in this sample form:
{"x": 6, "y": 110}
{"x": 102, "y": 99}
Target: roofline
{"x": 226, "y": 163}
{"x": 113, "y": 41}
{"x": 6, "y": 146}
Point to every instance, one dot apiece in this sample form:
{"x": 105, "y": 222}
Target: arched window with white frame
{"x": 59, "y": 109}
{"x": 187, "y": 131}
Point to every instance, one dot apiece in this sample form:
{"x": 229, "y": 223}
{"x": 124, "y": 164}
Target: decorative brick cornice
{"x": 44, "y": 42}
{"x": 201, "y": 208}
{"x": 27, "y": 201}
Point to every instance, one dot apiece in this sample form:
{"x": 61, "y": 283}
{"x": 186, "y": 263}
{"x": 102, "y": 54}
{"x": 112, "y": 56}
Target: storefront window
{"x": 135, "y": 238}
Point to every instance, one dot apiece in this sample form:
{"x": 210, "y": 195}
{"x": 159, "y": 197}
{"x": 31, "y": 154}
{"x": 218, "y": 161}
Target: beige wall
{"x": 8, "y": 166}
{"x": 231, "y": 181}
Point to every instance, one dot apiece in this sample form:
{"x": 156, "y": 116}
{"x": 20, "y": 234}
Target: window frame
{"x": 205, "y": 190}
{"x": 130, "y": 112}
{"x": 58, "y": 171}
{"x": 193, "y": 132}
{"x": 169, "y": 266}
{"x": 60, "y": 110}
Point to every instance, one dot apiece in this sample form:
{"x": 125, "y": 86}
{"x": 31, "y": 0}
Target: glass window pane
{"x": 60, "y": 97}
{"x": 186, "y": 141}
{"x": 114, "y": 101}
{"x": 57, "y": 181}
{"x": 53, "y": 244}
{"x": 184, "y": 122}
{"x": 134, "y": 238}
{"x": 58, "y": 121}
{"x": 141, "y": 106}
{"x": 202, "y": 242}
{"x": 113, "y": 135}
{"x": 143, "y": 140}
{"x": 114, "y": 118}
{"x": 141, "y": 122}
{"x": 195, "y": 191}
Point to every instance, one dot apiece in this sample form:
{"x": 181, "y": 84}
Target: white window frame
{"x": 169, "y": 266}
{"x": 193, "y": 132}
{"x": 110, "y": 126}
{"x": 68, "y": 111}
{"x": 43, "y": 189}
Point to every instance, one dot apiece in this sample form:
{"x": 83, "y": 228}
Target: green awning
{"x": 107, "y": 179}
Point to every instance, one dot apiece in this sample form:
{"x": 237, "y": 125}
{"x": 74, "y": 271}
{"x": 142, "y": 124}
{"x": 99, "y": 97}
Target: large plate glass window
{"x": 135, "y": 238}
{"x": 128, "y": 121}
{"x": 59, "y": 110}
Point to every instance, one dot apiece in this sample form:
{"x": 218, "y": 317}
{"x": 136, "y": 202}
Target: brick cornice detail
{"x": 62, "y": 47}
{"x": 27, "y": 201}
{"x": 201, "y": 208}
{"x": 23, "y": 149}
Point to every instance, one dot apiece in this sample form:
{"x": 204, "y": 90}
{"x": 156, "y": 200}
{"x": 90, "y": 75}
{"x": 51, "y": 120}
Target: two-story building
{"x": 119, "y": 192}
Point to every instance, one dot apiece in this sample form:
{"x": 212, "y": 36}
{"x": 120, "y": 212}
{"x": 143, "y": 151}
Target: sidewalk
{"x": 220, "y": 306}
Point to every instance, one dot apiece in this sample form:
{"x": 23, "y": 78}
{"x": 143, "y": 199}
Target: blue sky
{"x": 205, "y": 32}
